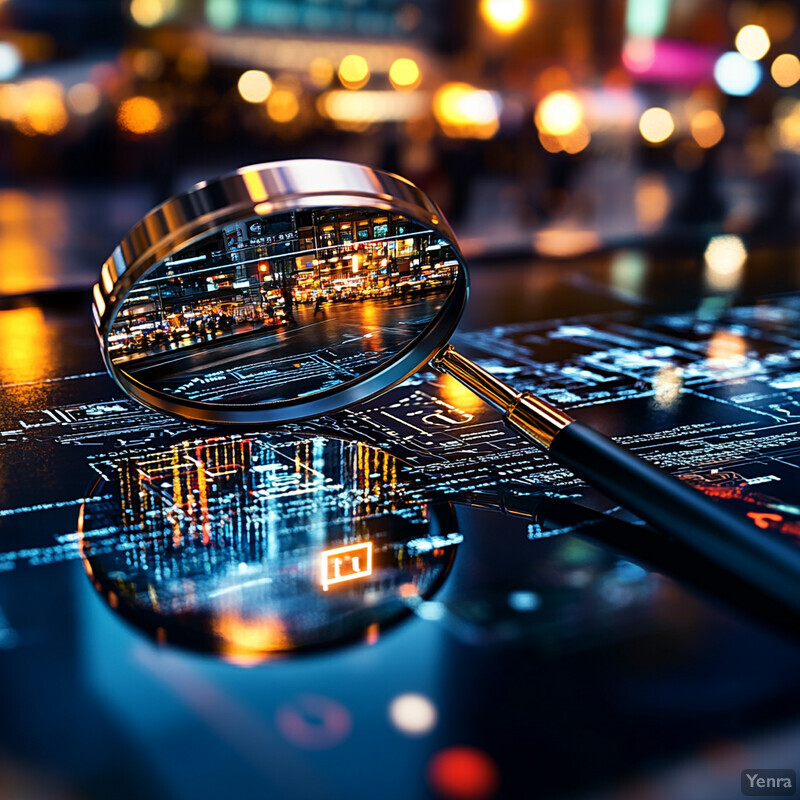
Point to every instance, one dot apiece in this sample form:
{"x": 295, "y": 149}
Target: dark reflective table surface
{"x": 501, "y": 631}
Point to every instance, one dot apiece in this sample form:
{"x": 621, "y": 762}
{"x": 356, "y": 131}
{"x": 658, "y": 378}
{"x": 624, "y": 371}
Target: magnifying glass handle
{"x": 655, "y": 496}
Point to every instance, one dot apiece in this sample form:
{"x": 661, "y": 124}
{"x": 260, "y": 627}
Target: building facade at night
{"x": 257, "y": 270}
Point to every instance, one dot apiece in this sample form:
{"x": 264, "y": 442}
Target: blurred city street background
{"x": 540, "y": 127}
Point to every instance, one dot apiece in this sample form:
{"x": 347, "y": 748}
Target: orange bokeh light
{"x": 140, "y": 115}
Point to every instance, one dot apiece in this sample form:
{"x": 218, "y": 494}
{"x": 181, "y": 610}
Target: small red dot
{"x": 463, "y": 773}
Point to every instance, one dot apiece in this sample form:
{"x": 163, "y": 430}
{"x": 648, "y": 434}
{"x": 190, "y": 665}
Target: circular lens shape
{"x": 250, "y": 545}
{"x": 281, "y": 292}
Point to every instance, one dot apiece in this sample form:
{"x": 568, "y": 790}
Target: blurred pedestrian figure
{"x": 318, "y": 306}
{"x": 288, "y": 307}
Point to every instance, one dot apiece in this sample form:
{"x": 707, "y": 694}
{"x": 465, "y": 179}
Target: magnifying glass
{"x": 290, "y": 290}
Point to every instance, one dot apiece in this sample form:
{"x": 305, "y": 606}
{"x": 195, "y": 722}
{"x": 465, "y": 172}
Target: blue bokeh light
{"x": 10, "y": 61}
{"x": 737, "y": 75}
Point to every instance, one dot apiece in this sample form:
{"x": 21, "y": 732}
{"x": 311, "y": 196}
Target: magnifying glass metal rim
{"x": 262, "y": 190}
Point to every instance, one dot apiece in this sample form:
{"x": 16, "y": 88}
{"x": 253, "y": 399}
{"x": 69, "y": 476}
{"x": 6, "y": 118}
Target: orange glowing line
{"x": 201, "y": 485}
{"x": 328, "y": 557}
{"x": 177, "y": 497}
{"x": 763, "y": 519}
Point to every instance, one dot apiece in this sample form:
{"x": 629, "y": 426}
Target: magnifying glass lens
{"x": 283, "y": 307}
{"x": 281, "y": 292}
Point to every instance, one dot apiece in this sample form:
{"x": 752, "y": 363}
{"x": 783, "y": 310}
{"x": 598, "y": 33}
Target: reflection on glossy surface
{"x": 25, "y": 341}
{"x": 32, "y": 230}
{"x": 285, "y": 306}
{"x": 250, "y": 545}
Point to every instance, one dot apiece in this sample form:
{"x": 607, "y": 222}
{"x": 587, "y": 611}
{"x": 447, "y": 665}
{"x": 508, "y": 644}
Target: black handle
{"x": 675, "y": 508}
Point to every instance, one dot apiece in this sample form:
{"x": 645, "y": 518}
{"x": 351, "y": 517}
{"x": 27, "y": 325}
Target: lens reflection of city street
{"x": 248, "y": 546}
{"x": 277, "y": 307}
{"x": 291, "y": 361}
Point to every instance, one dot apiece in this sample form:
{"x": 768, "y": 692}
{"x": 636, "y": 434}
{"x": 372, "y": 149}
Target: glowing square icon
{"x": 348, "y": 563}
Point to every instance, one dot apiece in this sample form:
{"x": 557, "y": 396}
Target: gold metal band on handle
{"x": 525, "y": 413}
{"x": 535, "y": 419}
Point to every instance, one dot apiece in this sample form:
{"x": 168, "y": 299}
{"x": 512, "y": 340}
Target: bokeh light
{"x": 321, "y": 72}
{"x": 726, "y": 348}
{"x": 222, "y": 13}
{"x": 505, "y": 16}
{"x": 785, "y": 70}
{"x": 12, "y": 101}
{"x": 576, "y": 141}
{"x": 466, "y": 112}
{"x": 413, "y": 714}
{"x": 254, "y": 86}
{"x": 354, "y": 71}
{"x": 572, "y": 143}
{"x": 736, "y": 75}
{"x": 787, "y": 125}
{"x": 404, "y": 74}
{"x": 724, "y": 278}
{"x": 725, "y": 254}
{"x": 656, "y": 125}
{"x": 148, "y": 64}
{"x": 524, "y": 601}
{"x": 707, "y": 128}
{"x": 559, "y": 113}
{"x": 83, "y": 98}
{"x": 10, "y": 61}
{"x": 283, "y": 105}
{"x": 369, "y": 107}
{"x": 463, "y": 773}
{"x": 42, "y": 110}
{"x": 628, "y": 271}
{"x": 667, "y": 387}
{"x": 639, "y": 53}
{"x": 753, "y": 42}
{"x": 140, "y": 115}
{"x": 652, "y": 201}
{"x": 149, "y": 13}
{"x": 646, "y": 17}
